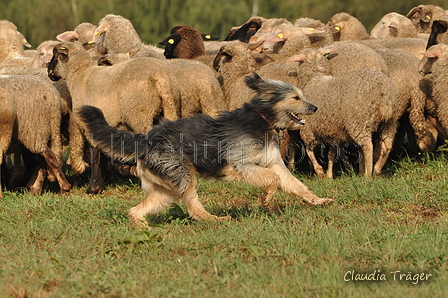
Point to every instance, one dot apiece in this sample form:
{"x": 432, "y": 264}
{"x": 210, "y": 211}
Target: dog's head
{"x": 281, "y": 103}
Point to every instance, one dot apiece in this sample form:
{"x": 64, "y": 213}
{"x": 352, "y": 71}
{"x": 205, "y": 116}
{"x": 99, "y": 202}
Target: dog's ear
{"x": 253, "y": 81}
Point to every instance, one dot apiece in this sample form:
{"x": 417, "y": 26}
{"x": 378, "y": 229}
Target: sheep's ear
{"x": 173, "y": 39}
{"x": 208, "y": 37}
{"x": 255, "y": 46}
{"x": 326, "y": 52}
{"x": 309, "y": 31}
{"x": 297, "y": 58}
{"x": 432, "y": 53}
{"x": 281, "y": 36}
{"x": 61, "y": 52}
{"x": 104, "y": 61}
{"x": 67, "y": 36}
{"x": 89, "y": 45}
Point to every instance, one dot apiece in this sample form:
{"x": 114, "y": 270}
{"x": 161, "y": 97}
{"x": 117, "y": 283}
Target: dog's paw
{"x": 322, "y": 201}
{"x": 224, "y": 218}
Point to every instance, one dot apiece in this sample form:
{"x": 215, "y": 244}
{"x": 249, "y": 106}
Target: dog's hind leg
{"x": 195, "y": 208}
{"x": 157, "y": 198}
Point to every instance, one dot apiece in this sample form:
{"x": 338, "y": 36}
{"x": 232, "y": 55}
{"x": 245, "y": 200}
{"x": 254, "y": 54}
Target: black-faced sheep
{"x": 352, "y": 108}
{"x": 246, "y": 31}
{"x": 31, "y": 114}
{"x": 132, "y": 94}
{"x": 438, "y": 32}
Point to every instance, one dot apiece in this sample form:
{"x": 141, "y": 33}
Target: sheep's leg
{"x": 76, "y": 145}
{"x": 1, "y": 164}
{"x": 56, "y": 167}
{"x": 332, "y": 153}
{"x": 316, "y": 166}
{"x": 292, "y": 186}
{"x": 385, "y": 146}
{"x": 285, "y": 140}
{"x": 367, "y": 150}
{"x": 95, "y": 171}
{"x": 36, "y": 182}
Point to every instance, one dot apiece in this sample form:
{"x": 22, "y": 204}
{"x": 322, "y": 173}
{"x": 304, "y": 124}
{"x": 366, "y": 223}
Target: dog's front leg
{"x": 292, "y": 186}
{"x": 258, "y": 176}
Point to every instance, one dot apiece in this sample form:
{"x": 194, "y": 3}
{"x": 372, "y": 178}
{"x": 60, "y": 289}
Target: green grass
{"x": 81, "y": 245}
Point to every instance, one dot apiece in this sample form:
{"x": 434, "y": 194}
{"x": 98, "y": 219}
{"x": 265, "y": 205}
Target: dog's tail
{"x": 118, "y": 144}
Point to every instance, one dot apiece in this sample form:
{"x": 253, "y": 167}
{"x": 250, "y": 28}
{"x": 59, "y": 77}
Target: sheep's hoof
{"x": 93, "y": 190}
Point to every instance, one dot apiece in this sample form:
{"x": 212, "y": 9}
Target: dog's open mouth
{"x": 297, "y": 119}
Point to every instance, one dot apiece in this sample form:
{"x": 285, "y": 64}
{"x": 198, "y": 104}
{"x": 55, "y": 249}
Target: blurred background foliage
{"x": 40, "y": 20}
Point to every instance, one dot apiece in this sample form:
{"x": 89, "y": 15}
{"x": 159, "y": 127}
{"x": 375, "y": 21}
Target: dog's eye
{"x": 296, "y": 98}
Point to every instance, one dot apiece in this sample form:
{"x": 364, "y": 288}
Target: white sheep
{"x": 132, "y": 94}
{"x": 352, "y": 108}
{"x": 434, "y": 66}
{"x": 32, "y": 111}
{"x": 116, "y": 34}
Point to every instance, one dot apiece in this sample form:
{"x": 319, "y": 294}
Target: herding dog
{"x": 239, "y": 145}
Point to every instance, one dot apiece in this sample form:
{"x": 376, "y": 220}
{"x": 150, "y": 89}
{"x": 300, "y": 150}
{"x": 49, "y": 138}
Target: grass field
{"x": 391, "y": 229}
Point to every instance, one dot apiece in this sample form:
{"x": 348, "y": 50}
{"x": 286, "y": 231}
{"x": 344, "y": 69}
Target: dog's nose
{"x": 314, "y": 109}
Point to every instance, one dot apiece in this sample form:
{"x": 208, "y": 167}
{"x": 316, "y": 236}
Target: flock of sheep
{"x": 373, "y": 90}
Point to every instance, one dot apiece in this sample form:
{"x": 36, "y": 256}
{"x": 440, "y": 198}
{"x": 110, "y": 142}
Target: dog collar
{"x": 262, "y": 116}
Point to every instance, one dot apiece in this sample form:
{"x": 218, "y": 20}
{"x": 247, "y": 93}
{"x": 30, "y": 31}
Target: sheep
{"x": 83, "y": 33}
{"x": 352, "y": 108}
{"x": 132, "y": 95}
{"x": 246, "y": 31}
{"x": 323, "y": 39}
{"x": 411, "y": 100}
{"x": 44, "y": 53}
{"x": 438, "y": 32}
{"x": 233, "y": 63}
{"x": 116, "y": 34}
{"x": 200, "y": 91}
{"x": 344, "y": 26}
{"x": 32, "y": 111}
{"x": 423, "y": 16}
{"x": 184, "y": 42}
{"x": 394, "y": 25}
{"x": 433, "y": 66}
{"x": 11, "y": 45}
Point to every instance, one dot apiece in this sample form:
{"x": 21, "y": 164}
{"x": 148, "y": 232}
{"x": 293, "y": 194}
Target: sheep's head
{"x": 437, "y": 27}
{"x": 422, "y": 16}
{"x": 60, "y": 54}
{"x": 281, "y": 104}
{"x": 185, "y": 42}
{"x": 430, "y": 57}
